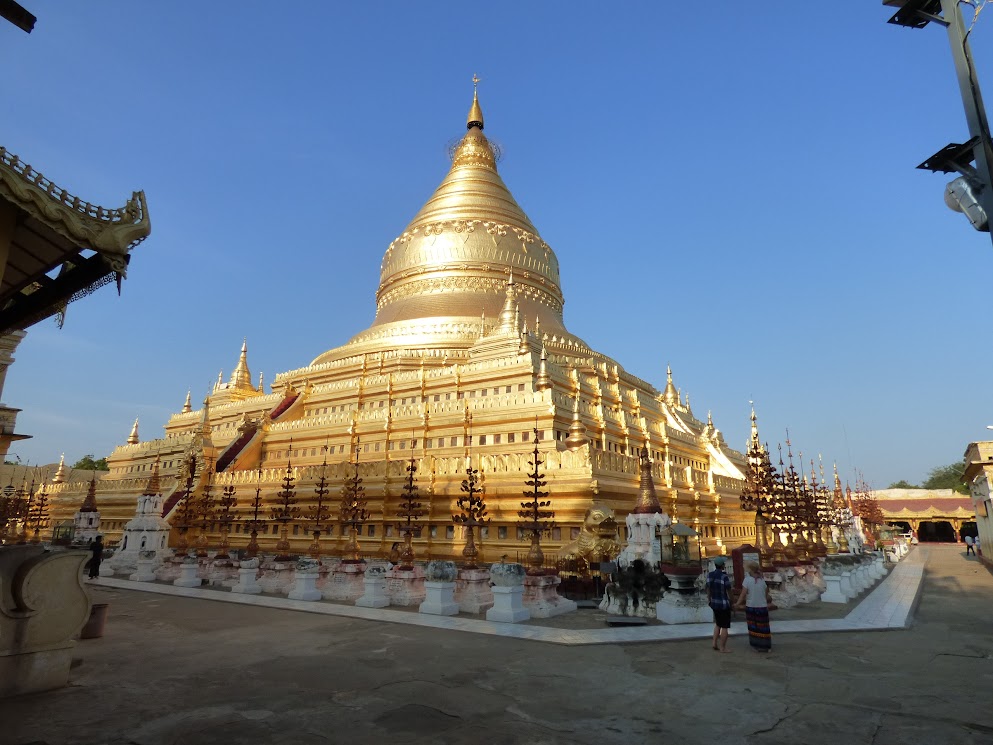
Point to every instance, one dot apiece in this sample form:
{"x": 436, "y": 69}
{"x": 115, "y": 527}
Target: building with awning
{"x": 931, "y": 514}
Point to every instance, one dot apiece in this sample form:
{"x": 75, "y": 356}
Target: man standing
{"x": 97, "y": 548}
{"x": 719, "y": 600}
{"x": 969, "y": 546}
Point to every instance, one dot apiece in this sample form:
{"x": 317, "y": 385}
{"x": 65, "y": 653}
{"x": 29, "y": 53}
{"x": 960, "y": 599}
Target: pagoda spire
{"x": 509, "y": 314}
{"x": 241, "y": 377}
{"x": 261, "y": 386}
{"x": 205, "y": 427}
{"x": 60, "y": 472}
{"x": 152, "y": 488}
{"x": 187, "y": 407}
{"x": 671, "y": 395}
{"x": 133, "y": 437}
{"x": 648, "y": 501}
{"x": 475, "y": 118}
{"x": 577, "y": 430}
{"x": 90, "y": 501}
{"x": 543, "y": 382}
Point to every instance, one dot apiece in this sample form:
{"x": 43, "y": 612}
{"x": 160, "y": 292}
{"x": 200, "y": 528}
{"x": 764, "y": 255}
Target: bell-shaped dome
{"x": 451, "y": 264}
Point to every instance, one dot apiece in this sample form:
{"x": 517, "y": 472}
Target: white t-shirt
{"x": 968, "y": 540}
{"x": 754, "y": 592}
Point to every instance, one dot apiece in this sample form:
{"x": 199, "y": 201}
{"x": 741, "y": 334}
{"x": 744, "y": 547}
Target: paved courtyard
{"x": 188, "y": 671}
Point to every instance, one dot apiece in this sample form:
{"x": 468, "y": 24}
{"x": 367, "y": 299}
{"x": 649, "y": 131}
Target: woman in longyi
{"x": 756, "y": 600}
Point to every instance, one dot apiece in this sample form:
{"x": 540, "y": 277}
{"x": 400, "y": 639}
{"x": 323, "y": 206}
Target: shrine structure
{"x": 468, "y": 346}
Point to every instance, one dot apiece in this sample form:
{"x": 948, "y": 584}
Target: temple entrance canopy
{"x": 932, "y": 514}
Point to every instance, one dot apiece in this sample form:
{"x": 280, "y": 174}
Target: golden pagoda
{"x": 469, "y": 318}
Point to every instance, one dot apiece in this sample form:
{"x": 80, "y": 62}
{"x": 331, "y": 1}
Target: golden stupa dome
{"x": 451, "y": 265}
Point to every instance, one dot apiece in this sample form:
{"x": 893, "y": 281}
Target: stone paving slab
{"x": 887, "y": 606}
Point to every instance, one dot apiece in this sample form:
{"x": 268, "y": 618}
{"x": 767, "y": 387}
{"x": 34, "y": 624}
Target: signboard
{"x": 741, "y": 556}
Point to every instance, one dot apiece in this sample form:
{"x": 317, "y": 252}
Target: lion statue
{"x": 597, "y": 539}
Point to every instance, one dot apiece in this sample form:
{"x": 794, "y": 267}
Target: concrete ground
{"x": 188, "y": 671}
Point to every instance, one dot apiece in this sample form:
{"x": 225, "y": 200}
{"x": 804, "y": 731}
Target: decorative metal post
{"x": 225, "y": 517}
{"x": 473, "y": 512}
{"x": 39, "y": 513}
{"x": 284, "y": 512}
{"x": 256, "y": 522}
{"x": 535, "y": 518}
{"x": 319, "y": 513}
{"x": 206, "y": 511}
{"x": 353, "y": 513}
{"x": 186, "y": 513}
{"x": 410, "y": 511}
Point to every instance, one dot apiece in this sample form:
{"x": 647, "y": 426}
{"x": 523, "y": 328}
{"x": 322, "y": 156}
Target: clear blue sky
{"x": 730, "y": 191}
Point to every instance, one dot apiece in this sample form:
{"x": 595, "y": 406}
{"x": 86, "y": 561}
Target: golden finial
{"x": 133, "y": 437}
{"x": 543, "y": 381}
{"x": 90, "y": 500}
{"x": 187, "y": 407}
{"x": 671, "y": 394}
{"x": 60, "y": 472}
{"x": 647, "y": 502}
{"x": 475, "y": 118}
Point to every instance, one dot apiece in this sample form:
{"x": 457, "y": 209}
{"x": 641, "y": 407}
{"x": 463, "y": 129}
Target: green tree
{"x": 902, "y": 484}
{"x": 86, "y": 463}
{"x": 947, "y": 477}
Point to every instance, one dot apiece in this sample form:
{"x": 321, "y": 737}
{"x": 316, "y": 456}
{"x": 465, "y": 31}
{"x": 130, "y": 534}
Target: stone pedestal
{"x": 878, "y": 568}
{"x": 221, "y": 573}
{"x": 374, "y": 586}
{"x": 42, "y": 609}
{"x": 169, "y": 570}
{"x": 247, "y": 578}
{"x": 833, "y": 592}
{"x": 472, "y": 591}
{"x": 439, "y": 599}
{"x": 345, "y": 583}
{"x": 847, "y": 589}
{"x": 189, "y": 574}
{"x": 542, "y": 599}
{"x": 679, "y": 608}
{"x": 859, "y": 579}
{"x": 305, "y": 585}
{"x": 106, "y": 569}
{"x": 148, "y": 562}
{"x": 405, "y": 587}
{"x": 277, "y": 577}
{"x": 508, "y": 605}
{"x": 855, "y": 580}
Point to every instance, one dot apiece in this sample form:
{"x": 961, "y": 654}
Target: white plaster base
{"x": 189, "y": 576}
{"x": 439, "y": 599}
{"x": 277, "y": 578}
{"x": 247, "y": 582}
{"x": 847, "y": 589}
{"x": 508, "y": 605}
{"x": 169, "y": 571}
{"x": 145, "y": 571}
{"x": 345, "y": 583}
{"x": 542, "y": 599}
{"x": 106, "y": 570}
{"x": 374, "y": 595}
{"x": 472, "y": 591}
{"x": 673, "y": 608}
{"x": 405, "y": 586}
{"x": 832, "y": 592}
{"x": 305, "y": 586}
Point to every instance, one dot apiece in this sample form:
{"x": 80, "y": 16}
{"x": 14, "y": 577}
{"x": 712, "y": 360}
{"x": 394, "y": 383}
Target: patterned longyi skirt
{"x": 759, "y": 633}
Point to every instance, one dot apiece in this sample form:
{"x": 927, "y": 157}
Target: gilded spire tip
{"x": 475, "y": 118}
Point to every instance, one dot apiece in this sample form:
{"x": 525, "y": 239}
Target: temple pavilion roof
{"x": 61, "y": 247}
